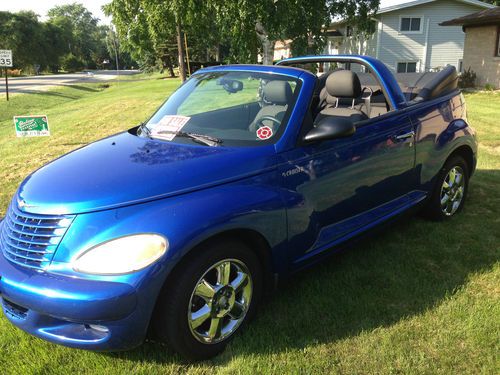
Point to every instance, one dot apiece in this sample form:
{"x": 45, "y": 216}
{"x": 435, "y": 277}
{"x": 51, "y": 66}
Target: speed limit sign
{"x": 5, "y": 58}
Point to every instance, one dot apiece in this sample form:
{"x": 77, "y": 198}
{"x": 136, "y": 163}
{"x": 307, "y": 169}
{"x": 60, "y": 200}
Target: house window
{"x": 407, "y": 67}
{"x": 410, "y": 24}
{"x": 497, "y": 50}
{"x": 348, "y": 31}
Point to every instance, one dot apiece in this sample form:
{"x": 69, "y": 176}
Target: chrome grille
{"x": 31, "y": 240}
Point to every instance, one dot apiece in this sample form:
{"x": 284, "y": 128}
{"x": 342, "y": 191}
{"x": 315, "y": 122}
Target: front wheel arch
{"x": 467, "y": 154}
{"x": 256, "y": 241}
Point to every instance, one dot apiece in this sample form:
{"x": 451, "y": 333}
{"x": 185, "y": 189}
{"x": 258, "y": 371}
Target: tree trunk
{"x": 217, "y": 52}
{"x": 170, "y": 69}
{"x": 267, "y": 44}
{"x": 180, "y": 49}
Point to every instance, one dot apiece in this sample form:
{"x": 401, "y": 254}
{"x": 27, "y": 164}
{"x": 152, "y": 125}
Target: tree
{"x": 494, "y": 2}
{"x": 302, "y": 21}
{"x": 242, "y": 29}
{"x": 139, "y": 35}
{"x": 55, "y": 42}
{"x": 86, "y": 40}
{"x": 21, "y": 32}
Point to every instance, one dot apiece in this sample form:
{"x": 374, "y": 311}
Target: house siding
{"x": 479, "y": 54}
{"x": 434, "y": 47}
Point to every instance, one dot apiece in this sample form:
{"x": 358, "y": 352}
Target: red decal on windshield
{"x": 265, "y": 132}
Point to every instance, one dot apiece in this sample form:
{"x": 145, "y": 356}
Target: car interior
{"x": 351, "y": 91}
{"x": 346, "y": 93}
{"x": 419, "y": 87}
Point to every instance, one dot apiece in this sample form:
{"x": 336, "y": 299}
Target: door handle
{"x": 402, "y": 137}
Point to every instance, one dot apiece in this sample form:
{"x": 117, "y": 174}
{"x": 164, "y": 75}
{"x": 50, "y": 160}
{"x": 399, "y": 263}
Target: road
{"x": 41, "y": 83}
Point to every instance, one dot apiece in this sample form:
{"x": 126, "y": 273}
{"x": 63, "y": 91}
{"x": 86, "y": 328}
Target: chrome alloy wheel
{"x": 452, "y": 191}
{"x": 220, "y": 301}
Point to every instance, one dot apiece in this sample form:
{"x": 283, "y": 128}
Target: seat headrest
{"x": 343, "y": 84}
{"x": 278, "y": 92}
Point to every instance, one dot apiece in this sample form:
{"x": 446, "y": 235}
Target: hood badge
{"x": 22, "y": 204}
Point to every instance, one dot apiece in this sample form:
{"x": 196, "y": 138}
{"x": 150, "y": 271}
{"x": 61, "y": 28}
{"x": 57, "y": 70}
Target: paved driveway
{"x": 45, "y": 82}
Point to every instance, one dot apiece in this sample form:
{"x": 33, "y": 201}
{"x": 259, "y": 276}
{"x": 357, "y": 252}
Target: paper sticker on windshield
{"x": 168, "y": 127}
{"x": 265, "y": 132}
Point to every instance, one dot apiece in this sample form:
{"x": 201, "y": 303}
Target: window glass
{"x": 405, "y": 24}
{"x": 415, "y": 24}
{"x": 232, "y": 107}
{"x": 410, "y": 24}
{"x": 210, "y": 96}
{"x": 498, "y": 42}
{"x": 411, "y": 67}
{"x": 407, "y": 67}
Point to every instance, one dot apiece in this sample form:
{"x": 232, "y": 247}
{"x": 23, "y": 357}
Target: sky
{"x": 42, "y": 6}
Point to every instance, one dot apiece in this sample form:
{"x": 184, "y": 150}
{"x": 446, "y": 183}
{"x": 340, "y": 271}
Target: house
{"x": 282, "y": 49}
{"x": 482, "y": 44}
{"x": 408, "y": 37}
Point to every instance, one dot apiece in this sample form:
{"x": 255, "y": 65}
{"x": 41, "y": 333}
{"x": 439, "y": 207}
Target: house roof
{"x": 421, "y": 2}
{"x": 409, "y": 4}
{"x": 484, "y": 17}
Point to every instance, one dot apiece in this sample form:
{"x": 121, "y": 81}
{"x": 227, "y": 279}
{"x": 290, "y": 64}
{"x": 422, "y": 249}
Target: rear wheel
{"x": 450, "y": 191}
{"x": 214, "y": 294}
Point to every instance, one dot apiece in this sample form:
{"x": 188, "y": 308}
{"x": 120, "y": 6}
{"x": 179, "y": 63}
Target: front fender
{"x": 186, "y": 220}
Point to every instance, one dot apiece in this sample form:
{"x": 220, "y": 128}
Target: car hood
{"x": 125, "y": 169}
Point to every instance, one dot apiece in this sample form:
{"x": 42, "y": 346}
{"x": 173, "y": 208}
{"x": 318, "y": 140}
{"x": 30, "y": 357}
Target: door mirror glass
{"x": 330, "y": 127}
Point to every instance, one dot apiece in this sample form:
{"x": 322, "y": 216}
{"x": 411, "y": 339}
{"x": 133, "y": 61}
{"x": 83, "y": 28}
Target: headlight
{"x": 122, "y": 255}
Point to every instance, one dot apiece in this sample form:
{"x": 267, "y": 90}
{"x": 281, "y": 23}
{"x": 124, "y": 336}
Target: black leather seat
{"x": 342, "y": 89}
{"x": 277, "y": 95}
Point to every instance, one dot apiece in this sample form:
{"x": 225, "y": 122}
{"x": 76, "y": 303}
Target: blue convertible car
{"x": 245, "y": 175}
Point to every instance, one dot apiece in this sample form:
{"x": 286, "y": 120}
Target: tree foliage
{"x": 71, "y": 39}
{"x": 236, "y": 31}
{"x": 494, "y": 2}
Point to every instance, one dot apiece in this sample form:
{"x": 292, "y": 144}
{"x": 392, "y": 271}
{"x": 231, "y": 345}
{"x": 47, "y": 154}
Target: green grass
{"x": 421, "y": 297}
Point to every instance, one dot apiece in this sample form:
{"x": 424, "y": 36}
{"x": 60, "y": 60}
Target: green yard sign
{"x": 31, "y": 126}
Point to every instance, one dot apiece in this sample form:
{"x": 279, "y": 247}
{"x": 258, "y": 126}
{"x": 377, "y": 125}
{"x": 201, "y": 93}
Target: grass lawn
{"x": 419, "y": 298}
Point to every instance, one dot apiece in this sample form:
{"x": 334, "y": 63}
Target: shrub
{"x": 71, "y": 63}
{"x": 14, "y": 72}
{"x": 467, "y": 78}
{"x": 489, "y": 87}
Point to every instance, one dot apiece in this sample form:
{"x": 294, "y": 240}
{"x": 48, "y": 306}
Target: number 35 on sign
{"x": 5, "y": 58}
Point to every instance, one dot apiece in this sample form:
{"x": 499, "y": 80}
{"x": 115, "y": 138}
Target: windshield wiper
{"x": 200, "y": 138}
{"x": 144, "y": 129}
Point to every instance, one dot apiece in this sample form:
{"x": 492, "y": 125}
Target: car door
{"x": 337, "y": 188}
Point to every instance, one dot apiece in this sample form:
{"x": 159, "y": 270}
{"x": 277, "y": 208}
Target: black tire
{"x": 434, "y": 209}
{"x": 171, "y": 323}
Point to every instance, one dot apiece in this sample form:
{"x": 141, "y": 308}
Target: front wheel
{"x": 451, "y": 188}
{"x": 214, "y": 294}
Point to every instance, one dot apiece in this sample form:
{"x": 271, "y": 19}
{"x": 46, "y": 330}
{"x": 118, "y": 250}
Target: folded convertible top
{"x": 418, "y": 87}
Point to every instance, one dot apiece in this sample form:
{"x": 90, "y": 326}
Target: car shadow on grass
{"x": 44, "y": 93}
{"x": 403, "y": 270}
{"x": 83, "y": 88}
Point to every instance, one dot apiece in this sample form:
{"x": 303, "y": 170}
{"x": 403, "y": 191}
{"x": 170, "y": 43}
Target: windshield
{"x": 226, "y": 108}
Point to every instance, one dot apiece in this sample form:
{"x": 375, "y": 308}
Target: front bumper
{"x": 85, "y": 314}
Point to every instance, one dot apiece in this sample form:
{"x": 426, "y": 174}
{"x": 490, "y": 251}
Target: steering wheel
{"x": 259, "y": 122}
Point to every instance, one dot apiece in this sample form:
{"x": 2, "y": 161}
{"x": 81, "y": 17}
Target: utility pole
{"x": 187, "y": 54}
{"x": 116, "y": 54}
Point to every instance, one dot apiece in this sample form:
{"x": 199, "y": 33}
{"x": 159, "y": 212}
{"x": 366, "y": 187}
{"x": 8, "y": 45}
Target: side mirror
{"x": 330, "y": 128}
